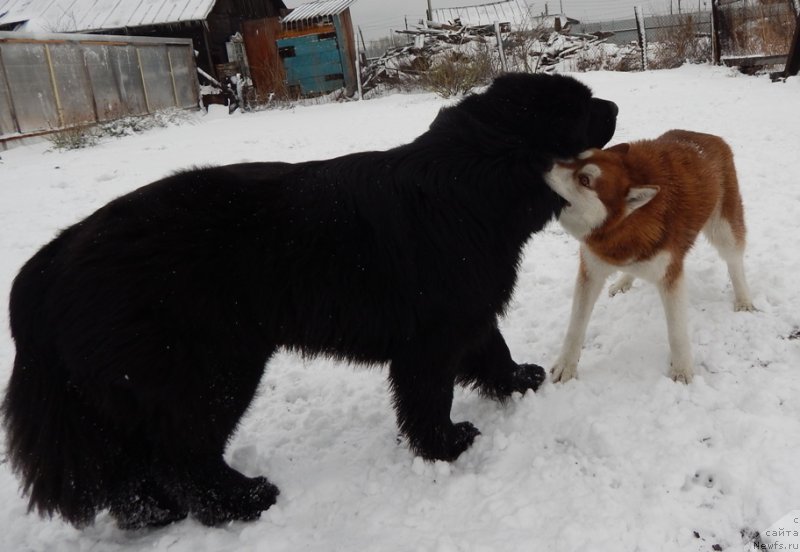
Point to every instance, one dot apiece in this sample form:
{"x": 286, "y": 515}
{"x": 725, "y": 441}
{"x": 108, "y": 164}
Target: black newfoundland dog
{"x": 142, "y": 331}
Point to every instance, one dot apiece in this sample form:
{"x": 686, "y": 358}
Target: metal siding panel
{"x": 157, "y": 80}
{"x": 125, "y": 65}
{"x": 347, "y": 51}
{"x": 184, "y": 75}
{"x": 317, "y": 9}
{"x": 107, "y": 98}
{"x": 77, "y": 105}
{"x": 7, "y": 125}
{"x": 31, "y": 89}
{"x": 266, "y": 68}
{"x": 105, "y": 14}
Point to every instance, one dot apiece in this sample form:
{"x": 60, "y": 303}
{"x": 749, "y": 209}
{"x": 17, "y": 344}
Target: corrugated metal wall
{"x": 54, "y": 81}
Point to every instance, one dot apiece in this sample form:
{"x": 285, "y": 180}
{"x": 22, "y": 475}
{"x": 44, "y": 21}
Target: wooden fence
{"x": 50, "y": 82}
{"x": 754, "y": 33}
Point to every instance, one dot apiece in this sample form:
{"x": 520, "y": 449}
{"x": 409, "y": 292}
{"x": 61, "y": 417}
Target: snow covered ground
{"x": 622, "y": 459}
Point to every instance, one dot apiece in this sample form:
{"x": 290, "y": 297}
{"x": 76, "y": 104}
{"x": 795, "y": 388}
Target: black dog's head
{"x": 553, "y": 115}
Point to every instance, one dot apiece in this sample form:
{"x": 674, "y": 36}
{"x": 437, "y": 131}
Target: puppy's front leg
{"x": 591, "y": 278}
{"x": 673, "y": 296}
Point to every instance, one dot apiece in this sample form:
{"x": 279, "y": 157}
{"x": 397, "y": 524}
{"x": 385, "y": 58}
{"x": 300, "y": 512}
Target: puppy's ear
{"x": 621, "y": 149}
{"x": 640, "y": 196}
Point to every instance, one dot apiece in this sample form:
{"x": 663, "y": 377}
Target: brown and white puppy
{"x": 638, "y": 208}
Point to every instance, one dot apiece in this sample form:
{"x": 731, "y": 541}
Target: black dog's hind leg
{"x": 185, "y": 471}
{"x": 422, "y": 380}
{"x": 213, "y": 491}
{"x": 490, "y": 369}
{"x": 143, "y": 502}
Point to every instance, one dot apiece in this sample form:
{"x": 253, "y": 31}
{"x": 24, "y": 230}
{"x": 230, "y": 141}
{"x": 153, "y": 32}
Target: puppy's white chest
{"x": 650, "y": 270}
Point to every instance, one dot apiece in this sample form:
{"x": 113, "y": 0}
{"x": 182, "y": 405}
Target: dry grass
{"x": 600, "y": 58}
{"x": 72, "y": 138}
{"x": 684, "y": 42}
{"x": 458, "y": 73}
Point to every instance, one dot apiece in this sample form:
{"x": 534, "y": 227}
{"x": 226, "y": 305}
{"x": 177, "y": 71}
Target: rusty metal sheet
{"x": 266, "y": 69}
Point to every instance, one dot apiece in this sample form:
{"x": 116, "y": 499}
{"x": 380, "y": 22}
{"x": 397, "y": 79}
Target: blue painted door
{"x": 312, "y": 63}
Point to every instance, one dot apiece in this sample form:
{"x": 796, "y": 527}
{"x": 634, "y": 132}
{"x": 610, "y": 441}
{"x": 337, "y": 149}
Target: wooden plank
{"x": 291, "y": 33}
{"x": 752, "y": 61}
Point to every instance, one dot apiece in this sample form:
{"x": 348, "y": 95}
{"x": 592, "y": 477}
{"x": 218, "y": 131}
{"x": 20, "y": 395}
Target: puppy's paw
{"x": 744, "y": 306}
{"x": 564, "y": 371}
{"x": 681, "y": 376}
{"x": 624, "y": 284}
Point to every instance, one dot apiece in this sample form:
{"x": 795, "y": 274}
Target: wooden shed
{"x": 309, "y": 51}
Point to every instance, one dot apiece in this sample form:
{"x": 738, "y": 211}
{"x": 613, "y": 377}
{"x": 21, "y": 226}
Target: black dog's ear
{"x": 621, "y": 149}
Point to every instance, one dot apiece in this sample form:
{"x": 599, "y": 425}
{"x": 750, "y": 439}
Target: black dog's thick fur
{"x": 142, "y": 331}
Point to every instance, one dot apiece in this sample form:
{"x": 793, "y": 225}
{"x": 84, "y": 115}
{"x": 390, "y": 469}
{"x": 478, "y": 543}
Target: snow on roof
{"x": 319, "y": 8}
{"x": 90, "y": 15}
{"x": 516, "y": 12}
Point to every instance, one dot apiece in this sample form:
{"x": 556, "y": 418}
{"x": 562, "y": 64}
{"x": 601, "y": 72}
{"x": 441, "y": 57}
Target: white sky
{"x": 376, "y": 17}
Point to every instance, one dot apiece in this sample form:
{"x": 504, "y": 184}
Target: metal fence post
{"x": 641, "y": 31}
{"x": 715, "y": 43}
{"x": 503, "y": 62}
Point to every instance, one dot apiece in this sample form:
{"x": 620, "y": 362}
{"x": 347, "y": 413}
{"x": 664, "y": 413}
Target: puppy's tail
{"x": 43, "y": 417}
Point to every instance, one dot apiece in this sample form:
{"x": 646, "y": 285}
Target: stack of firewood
{"x": 404, "y": 64}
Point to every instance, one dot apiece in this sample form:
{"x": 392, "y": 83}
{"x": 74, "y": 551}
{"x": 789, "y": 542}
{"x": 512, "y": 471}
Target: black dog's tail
{"x": 46, "y": 440}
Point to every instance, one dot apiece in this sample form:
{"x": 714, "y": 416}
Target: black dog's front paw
{"x": 447, "y": 444}
{"x": 527, "y": 376}
{"x": 461, "y": 438}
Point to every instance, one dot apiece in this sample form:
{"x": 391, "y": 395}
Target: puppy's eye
{"x": 584, "y": 181}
